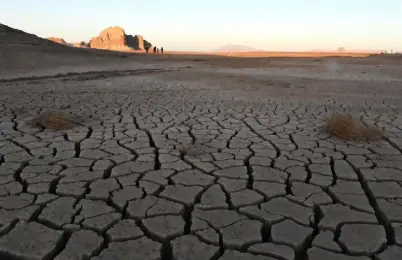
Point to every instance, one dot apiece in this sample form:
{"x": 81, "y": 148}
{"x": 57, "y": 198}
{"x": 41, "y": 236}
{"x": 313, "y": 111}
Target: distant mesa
{"x": 115, "y": 38}
{"x": 236, "y": 48}
{"x": 81, "y": 45}
{"x": 341, "y": 49}
{"x": 57, "y": 40}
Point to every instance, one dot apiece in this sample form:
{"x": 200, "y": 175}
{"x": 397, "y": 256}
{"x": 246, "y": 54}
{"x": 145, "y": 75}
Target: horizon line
{"x": 255, "y": 50}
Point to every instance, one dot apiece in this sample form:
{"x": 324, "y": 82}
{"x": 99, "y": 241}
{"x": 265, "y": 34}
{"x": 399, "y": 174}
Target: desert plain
{"x": 194, "y": 156}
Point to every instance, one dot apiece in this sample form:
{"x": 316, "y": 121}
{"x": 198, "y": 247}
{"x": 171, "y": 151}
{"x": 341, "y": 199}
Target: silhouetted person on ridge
{"x": 154, "y": 49}
{"x": 162, "y": 50}
{"x": 146, "y": 49}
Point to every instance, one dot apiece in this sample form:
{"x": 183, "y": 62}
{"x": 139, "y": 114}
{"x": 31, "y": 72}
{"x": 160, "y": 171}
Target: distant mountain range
{"x": 244, "y": 48}
{"x": 235, "y": 48}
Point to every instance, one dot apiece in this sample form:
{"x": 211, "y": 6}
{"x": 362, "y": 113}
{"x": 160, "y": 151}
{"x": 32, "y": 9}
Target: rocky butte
{"x": 57, "y": 40}
{"x": 81, "y": 45}
{"x": 115, "y": 38}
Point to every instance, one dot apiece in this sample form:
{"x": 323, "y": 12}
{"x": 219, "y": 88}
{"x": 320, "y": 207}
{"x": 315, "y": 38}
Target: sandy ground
{"x": 367, "y": 77}
{"x": 199, "y": 157}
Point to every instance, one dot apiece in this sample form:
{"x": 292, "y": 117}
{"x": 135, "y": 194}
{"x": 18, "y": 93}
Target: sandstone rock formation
{"x": 57, "y": 40}
{"x": 81, "y": 45}
{"x": 115, "y": 38}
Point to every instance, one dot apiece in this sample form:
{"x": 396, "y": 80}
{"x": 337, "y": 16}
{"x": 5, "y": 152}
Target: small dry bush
{"x": 372, "y": 133}
{"x": 348, "y": 128}
{"x": 52, "y": 120}
{"x": 190, "y": 149}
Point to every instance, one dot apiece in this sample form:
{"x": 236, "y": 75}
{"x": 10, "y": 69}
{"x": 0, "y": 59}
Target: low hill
{"x": 21, "y": 51}
{"x": 236, "y": 48}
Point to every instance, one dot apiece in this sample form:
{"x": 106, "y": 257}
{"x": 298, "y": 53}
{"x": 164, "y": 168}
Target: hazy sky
{"x": 208, "y": 24}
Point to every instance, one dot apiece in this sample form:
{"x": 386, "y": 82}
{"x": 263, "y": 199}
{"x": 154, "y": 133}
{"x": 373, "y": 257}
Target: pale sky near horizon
{"x": 292, "y": 25}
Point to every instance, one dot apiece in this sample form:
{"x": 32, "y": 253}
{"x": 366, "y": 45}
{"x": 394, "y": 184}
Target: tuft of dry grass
{"x": 372, "y": 133}
{"x": 349, "y": 128}
{"x": 190, "y": 149}
{"x": 344, "y": 127}
{"x": 52, "y": 120}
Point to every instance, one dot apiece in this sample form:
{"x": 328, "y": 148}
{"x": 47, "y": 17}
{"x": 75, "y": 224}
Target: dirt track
{"x": 209, "y": 158}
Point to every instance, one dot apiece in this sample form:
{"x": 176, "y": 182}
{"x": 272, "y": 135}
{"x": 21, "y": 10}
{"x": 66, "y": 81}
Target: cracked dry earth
{"x": 162, "y": 170}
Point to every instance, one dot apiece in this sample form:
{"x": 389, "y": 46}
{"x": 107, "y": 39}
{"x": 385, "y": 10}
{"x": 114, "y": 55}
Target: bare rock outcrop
{"x": 81, "y": 45}
{"x": 57, "y": 40}
{"x": 115, "y": 38}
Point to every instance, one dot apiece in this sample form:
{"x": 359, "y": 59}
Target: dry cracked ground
{"x": 185, "y": 160}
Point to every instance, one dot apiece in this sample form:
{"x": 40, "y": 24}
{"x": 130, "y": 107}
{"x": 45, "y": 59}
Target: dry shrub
{"x": 372, "y": 133}
{"x": 190, "y": 149}
{"x": 52, "y": 120}
{"x": 344, "y": 127}
{"x": 348, "y": 128}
